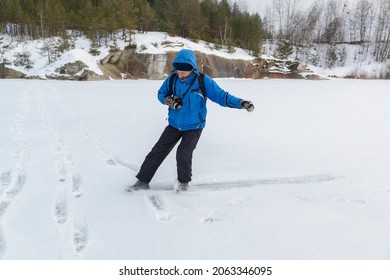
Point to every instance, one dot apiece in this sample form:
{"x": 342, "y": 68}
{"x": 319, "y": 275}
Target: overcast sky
{"x": 254, "y": 5}
{"x": 260, "y": 5}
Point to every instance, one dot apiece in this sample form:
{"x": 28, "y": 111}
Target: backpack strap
{"x": 202, "y": 87}
{"x": 171, "y": 81}
{"x": 201, "y": 84}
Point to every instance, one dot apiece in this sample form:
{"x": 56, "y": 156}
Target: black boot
{"x": 139, "y": 185}
{"x": 180, "y": 187}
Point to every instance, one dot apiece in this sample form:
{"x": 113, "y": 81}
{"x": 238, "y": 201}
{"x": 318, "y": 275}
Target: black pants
{"x": 164, "y": 146}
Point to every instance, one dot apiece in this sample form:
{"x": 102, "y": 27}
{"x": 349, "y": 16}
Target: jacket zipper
{"x": 183, "y": 96}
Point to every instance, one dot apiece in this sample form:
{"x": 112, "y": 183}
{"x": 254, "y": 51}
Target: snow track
{"x": 229, "y": 185}
{"x": 158, "y": 206}
{"x": 117, "y": 160}
{"x": 310, "y": 180}
{"x": 33, "y": 105}
{"x": 13, "y": 181}
{"x": 2, "y": 245}
{"x": 71, "y": 223}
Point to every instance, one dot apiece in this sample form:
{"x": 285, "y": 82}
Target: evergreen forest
{"x": 222, "y": 22}
{"x": 210, "y": 20}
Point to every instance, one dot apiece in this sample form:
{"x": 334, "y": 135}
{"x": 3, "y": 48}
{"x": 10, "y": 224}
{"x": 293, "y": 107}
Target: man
{"x": 182, "y": 92}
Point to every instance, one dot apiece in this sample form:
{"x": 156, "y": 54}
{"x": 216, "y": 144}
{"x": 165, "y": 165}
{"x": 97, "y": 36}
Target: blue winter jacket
{"x": 192, "y": 114}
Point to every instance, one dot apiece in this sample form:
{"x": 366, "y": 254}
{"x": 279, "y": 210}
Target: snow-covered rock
{"x": 150, "y": 55}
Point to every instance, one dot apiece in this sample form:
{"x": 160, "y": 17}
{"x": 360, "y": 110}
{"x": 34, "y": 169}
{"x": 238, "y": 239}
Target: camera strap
{"x": 188, "y": 89}
{"x": 172, "y": 84}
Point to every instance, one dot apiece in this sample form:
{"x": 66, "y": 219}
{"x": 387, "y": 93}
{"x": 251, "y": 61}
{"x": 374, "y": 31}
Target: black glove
{"x": 247, "y": 105}
{"x": 173, "y": 102}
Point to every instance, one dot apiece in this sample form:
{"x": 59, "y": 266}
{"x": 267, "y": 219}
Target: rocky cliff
{"x": 128, "y": 64}
{"x": 132, "y": 65}
{"x": 8, "y": 73}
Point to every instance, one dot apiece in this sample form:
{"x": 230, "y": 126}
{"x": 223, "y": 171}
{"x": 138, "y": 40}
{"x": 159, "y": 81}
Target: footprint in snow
{"x": 3, "y": 206}
{"x": 110, "y": 161}
{"x": 20, "y": 181}
{"x": 302, "y": 198}
{"x": 216, "y": 216}
{"x": 382, "y": 190}
{"x": 76, "y": 185}
{"x": 235, "y": 202}
{"x": 342, "y": 200}
{"x": 2, "y": 245}
{"x": 80, "y": 236}
{"x": 61, "y": 207}
{"x": 61, "y": 171}
{"x": 5, "y": 178}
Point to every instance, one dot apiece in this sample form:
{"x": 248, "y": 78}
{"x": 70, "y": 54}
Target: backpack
{"x": 200, "y": 81}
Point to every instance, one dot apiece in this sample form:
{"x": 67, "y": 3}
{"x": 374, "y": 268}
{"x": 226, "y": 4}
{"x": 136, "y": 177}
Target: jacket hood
{"x": 186, "y": 56}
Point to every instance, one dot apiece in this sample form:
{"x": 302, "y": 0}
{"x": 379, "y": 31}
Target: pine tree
{"x": 145, "y": 15}
{"x": 54, "y": 17}
{"x": 223, "y": 17}
{"x": 208, "y": 10}
{"x": 189, "y": 19}
{"x": 15, "y": 17}
{"x": 283, "y": 50}
{"x": 165, "y": 12}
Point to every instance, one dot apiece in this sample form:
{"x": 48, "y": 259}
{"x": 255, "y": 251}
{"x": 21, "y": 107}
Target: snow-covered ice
{"x": 305, "y": 176}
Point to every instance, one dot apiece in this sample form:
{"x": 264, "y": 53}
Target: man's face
{"x": 183, "y": 74}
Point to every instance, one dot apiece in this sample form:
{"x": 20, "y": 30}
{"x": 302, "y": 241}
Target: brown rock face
{"x": 159, "y": 66}
{"x": 8, "y": 73}
{"x": 128, "y": 64}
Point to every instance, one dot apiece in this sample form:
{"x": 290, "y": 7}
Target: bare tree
{"x": 289, "y": 15}
{"x": 382, "y": 32}
{"x": 334, "y": 18}
{"x": 362, "y": 21}
{"x": 311, "y": 22}
{"x": 269, "y": 23}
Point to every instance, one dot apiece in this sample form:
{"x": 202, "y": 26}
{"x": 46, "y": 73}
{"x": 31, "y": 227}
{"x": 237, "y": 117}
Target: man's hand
{"x": 173, "y": 102}
{"x": 247, "y": 105}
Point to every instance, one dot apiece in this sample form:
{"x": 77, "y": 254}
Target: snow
{"x": 305, "y": 176}
{"x": 160, "y": 43}
{"x": 352, "y": 60}
{"x": 150, "y": 42}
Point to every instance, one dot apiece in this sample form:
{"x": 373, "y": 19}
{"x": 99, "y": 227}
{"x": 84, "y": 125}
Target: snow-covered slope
{"x": 305, "y": 176}
{"x": 351, "y": 60}
{"x": 150, "y": 42}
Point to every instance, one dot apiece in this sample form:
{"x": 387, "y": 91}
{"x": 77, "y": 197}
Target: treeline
{"x": 363, "y": 22}
{"x": 223, "y": 22}
{"x": 215, "y": 21}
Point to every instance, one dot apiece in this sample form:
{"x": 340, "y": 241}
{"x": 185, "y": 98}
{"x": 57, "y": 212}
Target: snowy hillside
{"x": 305, "y": 176}
{"x": 348, "y": 60}
{"x": 150, "y": 42}
{"x": 35, "y": 61}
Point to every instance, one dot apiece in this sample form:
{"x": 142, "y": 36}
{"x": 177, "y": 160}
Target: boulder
{"x": 88, "y": 75}
{"x": 75, "y": 71}
{"x": 261, "y": 68}
{"x": 8, "y": 73}
{"x": 127, "y": 62}
{"x": 72, "y": 68}
{"x": 110, "y": 72}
